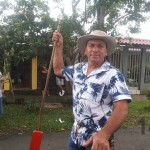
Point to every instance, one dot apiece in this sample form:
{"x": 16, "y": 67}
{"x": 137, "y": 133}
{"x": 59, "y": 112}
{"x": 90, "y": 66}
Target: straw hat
{"x": 100, "y": 35}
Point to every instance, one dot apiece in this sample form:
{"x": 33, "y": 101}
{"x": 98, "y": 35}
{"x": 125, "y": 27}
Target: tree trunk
{"x": 100, "y": 17}
{"x": 74, "y": 6}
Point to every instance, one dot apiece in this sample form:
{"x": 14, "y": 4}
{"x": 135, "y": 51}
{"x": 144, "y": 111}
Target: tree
{"x": 108, "y": 14}
{"x": 71, "y": 29}
{"x": 26, "y": 31}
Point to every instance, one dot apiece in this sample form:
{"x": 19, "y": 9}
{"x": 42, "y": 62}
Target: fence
{"x": 130, "y": 62}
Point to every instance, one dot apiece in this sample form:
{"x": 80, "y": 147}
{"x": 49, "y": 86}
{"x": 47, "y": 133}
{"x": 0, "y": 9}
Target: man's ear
{"x": 106, "y": 54}
{"x": 85, "y": 52}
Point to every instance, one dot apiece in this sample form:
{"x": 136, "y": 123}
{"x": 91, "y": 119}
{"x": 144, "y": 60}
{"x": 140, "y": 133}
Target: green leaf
{"x": 148, "y": 122}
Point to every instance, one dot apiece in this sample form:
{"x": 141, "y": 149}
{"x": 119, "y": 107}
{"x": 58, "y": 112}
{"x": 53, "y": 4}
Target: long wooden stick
{"x": 47, "y": 82}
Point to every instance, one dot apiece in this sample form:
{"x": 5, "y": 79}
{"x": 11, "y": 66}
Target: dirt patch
{"x": 53, "y": 105}
{"x": 138, "y": 97}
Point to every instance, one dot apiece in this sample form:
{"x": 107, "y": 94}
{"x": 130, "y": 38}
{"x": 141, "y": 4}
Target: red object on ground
{"x": 36, "y": 140}
{"x": 37, "y": 134}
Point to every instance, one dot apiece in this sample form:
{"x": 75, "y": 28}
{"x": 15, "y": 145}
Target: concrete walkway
{"x": 126, "y": 139}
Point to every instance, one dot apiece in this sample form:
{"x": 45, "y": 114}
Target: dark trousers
{"x": 72, "y": 146}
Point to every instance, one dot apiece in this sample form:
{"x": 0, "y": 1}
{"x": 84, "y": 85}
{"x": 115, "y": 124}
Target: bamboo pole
{"x": 47, "y": 82}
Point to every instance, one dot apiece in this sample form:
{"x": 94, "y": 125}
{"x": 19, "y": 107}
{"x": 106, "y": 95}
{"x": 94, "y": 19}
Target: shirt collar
{"x": 105, "y": 67}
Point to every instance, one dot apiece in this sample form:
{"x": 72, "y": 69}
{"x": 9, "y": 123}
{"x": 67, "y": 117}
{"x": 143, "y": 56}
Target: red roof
{"x": 133, "y": 41}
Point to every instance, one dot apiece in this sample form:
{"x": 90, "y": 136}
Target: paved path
{"x": 126, "y": 139}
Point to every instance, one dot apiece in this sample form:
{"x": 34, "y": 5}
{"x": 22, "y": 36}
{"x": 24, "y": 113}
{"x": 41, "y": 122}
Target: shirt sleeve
{"x": 118, "y": 89}
{"x": 68, "y": 72}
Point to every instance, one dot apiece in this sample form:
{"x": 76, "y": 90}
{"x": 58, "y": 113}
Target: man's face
{"x": 96, "y": 51}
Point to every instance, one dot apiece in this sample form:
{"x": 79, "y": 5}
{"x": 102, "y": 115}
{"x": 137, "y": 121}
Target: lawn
{"x": 23, "y": 117}
{"x": 139, "y": 114}
{"x": 20, "y": 118}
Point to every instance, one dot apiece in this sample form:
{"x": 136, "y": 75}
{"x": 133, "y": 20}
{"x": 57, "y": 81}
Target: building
{"x": 132, "y": 57}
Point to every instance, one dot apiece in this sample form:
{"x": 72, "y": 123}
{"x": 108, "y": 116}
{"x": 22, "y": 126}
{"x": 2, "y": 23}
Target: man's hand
{"x": 58, "y": 62}
{"x": 2, "y": 79}
{"x": 98, "y": 141}
{"x": 57, "y": 39}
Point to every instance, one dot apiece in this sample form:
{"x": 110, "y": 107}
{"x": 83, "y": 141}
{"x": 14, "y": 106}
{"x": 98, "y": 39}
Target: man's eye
{"x": 91, "y": 45}
{"x": 101, "y": 46}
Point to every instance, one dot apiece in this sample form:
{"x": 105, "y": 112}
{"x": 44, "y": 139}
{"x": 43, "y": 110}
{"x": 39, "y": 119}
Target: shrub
{"x": 148, "y": 93}
{"x": 19, "y": 101}
{"x": 31, "y": 105}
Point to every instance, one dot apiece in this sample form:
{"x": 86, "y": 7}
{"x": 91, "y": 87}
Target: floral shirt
{"x": 93, "y": 97}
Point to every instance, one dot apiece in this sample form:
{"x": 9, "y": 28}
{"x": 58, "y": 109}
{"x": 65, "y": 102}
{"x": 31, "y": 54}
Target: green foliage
{"x": 31, "y": 105}
{"x": 108, "y": 14}
{"x": 148, "y": 122}
{"x": 27, "y": 31}
{"x": 19, "y": 101}
{"x": 24, "y": 32}
{"x": 70, "y": 29}
{"x": 148, "y": 93}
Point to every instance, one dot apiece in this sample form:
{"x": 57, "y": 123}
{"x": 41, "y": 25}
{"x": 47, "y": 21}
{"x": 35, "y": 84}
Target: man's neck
{"x": 93, "y": 66}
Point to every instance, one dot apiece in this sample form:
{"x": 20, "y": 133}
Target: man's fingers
{"x": 94, "y": 147}
{"x": 88, "y": 142}
{"x": 56, "y": 36}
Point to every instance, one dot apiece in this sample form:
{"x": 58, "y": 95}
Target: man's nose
{"x": 95, "y": 49}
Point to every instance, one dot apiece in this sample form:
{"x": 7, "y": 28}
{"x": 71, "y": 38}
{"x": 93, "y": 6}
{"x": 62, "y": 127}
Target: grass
{"x": 18, "y": 117}
{"x": 137, "y": 111}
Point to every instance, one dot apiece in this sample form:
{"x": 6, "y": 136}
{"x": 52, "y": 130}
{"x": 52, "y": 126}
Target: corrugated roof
{"x": 133, "y": 41}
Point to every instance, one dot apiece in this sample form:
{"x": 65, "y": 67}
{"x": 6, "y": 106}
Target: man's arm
{"x": 100, "y": 139}
{"x": 58, "y": 62}
{"x": 2, "y": 79}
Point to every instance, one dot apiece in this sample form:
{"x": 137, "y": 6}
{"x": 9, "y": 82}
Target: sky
{"x": 145, "y": 27}
{"x": 145, "y": 31}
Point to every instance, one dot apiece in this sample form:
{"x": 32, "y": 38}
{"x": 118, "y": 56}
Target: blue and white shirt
{"x": 93, "y": 96}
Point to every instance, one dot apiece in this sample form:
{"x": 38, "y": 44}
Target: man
{"x": 100, "y": 94}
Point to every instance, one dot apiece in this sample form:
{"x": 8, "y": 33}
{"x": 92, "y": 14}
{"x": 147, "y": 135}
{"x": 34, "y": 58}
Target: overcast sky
{"x": 145, "y": 31}
{"x": 145, "y": 27}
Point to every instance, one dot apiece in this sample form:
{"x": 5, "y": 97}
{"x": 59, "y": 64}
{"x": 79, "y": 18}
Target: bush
{"x": 31, "y": 105}
{"x": 148, "y": 93}
{"x": 19, "y": 101}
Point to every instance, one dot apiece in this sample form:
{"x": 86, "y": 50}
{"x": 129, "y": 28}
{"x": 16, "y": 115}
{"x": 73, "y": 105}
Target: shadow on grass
{"x": 147, "y": 109}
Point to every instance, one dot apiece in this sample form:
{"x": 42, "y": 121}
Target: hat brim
{"x": 110, "y": 42}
